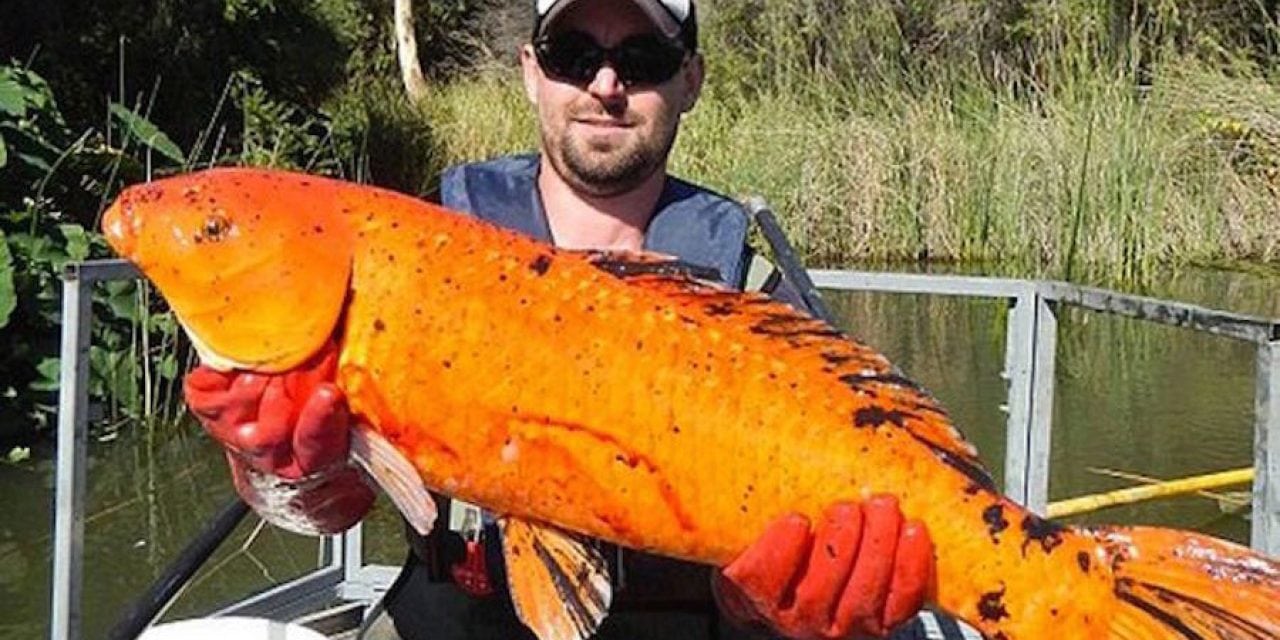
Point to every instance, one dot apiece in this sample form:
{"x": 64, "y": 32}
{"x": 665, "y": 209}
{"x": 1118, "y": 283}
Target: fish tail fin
{"x": 1184, "y": 585}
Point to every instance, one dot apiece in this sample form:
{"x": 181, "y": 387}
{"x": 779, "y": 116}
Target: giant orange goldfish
{"x": 596, "y": 394}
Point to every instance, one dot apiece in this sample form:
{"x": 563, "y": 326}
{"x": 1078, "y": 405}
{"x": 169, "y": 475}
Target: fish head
{"x": 256, "y": 264}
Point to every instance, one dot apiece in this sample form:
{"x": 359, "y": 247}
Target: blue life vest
{"x": 694, "y": 224}
{"x": 698, "y": 226}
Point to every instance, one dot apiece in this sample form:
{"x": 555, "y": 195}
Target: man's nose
{"x": 606, "y": 86}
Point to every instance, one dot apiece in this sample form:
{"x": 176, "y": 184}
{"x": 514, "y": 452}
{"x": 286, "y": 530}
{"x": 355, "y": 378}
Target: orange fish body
{"x": 594, "y": 394}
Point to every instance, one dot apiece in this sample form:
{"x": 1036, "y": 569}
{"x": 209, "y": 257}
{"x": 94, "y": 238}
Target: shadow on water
{"x": 1131, "y": 396}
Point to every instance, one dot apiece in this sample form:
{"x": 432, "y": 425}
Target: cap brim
{"x": 658, "y": 15}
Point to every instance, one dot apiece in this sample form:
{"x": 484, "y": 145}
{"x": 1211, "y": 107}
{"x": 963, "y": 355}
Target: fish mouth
{"x": 120, "y": 228}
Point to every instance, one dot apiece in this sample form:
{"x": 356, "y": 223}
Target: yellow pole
{"x": 1228, "y": 500}
{"x": 1085, "y": 504}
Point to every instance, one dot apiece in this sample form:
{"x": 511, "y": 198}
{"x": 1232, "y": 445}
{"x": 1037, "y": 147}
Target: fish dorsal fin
{"x": 887, "y": 397}
{"x": 631, "y": 264}
{"x": 558, "y": 582}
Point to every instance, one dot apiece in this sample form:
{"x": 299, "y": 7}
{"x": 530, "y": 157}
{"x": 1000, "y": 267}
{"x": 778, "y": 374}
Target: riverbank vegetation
{"x": 1080, "y": 140}
{"x": 1085, "y": 140}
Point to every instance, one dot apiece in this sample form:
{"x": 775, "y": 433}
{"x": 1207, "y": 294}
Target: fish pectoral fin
{"x": 559, "y": 582}
{"x": 396, "y": 475}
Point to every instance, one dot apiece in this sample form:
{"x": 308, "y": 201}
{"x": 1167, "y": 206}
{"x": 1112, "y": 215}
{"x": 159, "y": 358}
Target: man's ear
{"x": 531, "y": 73}
{"x": 693, "y": 74}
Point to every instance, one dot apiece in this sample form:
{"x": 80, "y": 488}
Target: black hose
{"x": 145, "y": 609}
{"x": 788, "y": 261}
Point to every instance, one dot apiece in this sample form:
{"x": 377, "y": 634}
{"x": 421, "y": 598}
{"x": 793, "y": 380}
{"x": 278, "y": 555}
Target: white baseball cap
{"x": 674, "y": 18}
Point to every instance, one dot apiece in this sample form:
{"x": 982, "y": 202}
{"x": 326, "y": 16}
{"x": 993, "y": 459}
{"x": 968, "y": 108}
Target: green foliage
{"x": 146, "y": 133}
{"x": 52, "y": 188}
{"x": 1073, "y": 137}
{"x": 1101, "y": 142}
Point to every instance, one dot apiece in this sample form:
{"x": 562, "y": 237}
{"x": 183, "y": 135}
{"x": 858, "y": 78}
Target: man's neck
{"x": 581, "y": 221}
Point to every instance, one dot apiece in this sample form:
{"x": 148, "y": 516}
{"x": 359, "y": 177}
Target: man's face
{"x": 601, "y": 137}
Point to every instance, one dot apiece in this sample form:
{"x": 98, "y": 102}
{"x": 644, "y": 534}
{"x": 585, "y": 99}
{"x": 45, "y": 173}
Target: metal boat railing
{"x": 1030, "y": 347}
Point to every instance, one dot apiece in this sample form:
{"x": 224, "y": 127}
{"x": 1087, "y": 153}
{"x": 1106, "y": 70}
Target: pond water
{"x": 1131, "y": 396}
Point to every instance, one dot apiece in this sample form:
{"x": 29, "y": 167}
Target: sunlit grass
{"x": 1067, "y": 162}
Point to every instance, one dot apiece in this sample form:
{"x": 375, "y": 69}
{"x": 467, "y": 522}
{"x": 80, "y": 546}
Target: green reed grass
{"x": 1051, "y": 139}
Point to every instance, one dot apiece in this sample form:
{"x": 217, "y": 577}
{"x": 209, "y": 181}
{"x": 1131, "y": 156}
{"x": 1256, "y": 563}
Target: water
{"x": 1131, "y": 396}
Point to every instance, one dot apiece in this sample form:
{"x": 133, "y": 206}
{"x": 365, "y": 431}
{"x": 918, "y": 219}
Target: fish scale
{"x": 601, "y": 394}
{"x": 552, "y": 375}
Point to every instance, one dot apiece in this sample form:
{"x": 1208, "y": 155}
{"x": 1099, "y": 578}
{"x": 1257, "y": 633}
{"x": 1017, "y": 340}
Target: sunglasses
{"x": 640, "y": 60}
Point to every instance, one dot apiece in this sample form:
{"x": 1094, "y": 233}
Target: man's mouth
{"x": 604, "y": 123}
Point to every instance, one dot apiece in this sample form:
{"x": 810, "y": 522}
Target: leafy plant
{"x": 53, "y": 185}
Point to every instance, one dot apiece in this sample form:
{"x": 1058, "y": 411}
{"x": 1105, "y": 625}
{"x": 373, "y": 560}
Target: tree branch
{"x": 415, "y": 84}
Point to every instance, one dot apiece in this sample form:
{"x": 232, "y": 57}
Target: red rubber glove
{"x": 287, "y": 438}
{"x": 863, "y": 572}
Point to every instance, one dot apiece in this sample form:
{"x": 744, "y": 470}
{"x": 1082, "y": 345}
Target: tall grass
{"x": 1027, "y": 137}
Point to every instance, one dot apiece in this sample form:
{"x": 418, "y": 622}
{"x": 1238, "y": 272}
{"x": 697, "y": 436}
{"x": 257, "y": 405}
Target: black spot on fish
{"x": 836, "y": 359}
{"x": 996, "y": 522}
{"x": 718, "y": 309}
{"x": 447, "y": 364}
{"x": 991, "y": 606}
{"x": 971, "y": 469}
{"x": 379, "y": 325}
{"x": 318, "y": 229}
{"x": 874, "y": 416}
{"x": 1047, "y": 532}
{"x": 541, "y": 264}
{"x": 1082, "y": 559}
{"x": 973, "y": 489}
{"x": 857, "y": 380}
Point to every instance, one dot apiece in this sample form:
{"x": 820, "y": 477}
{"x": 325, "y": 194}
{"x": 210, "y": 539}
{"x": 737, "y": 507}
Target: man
{"x": 610, "y": 80}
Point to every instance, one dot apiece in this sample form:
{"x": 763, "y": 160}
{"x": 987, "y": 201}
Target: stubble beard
{"x": 606, "y": 169}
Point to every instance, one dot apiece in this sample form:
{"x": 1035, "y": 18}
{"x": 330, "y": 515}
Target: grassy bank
{"x": 1100, "y": 157}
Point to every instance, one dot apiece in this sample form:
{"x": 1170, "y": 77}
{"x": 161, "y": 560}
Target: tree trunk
{"x": 415, "y": 84}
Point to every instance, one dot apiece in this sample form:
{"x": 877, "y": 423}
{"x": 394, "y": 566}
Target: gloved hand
{"x": 287, "y": 438}
{"x": 861, "y": 572}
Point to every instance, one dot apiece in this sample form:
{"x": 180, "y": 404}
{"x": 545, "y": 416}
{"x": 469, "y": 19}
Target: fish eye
{"x": 215, "y": 226}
